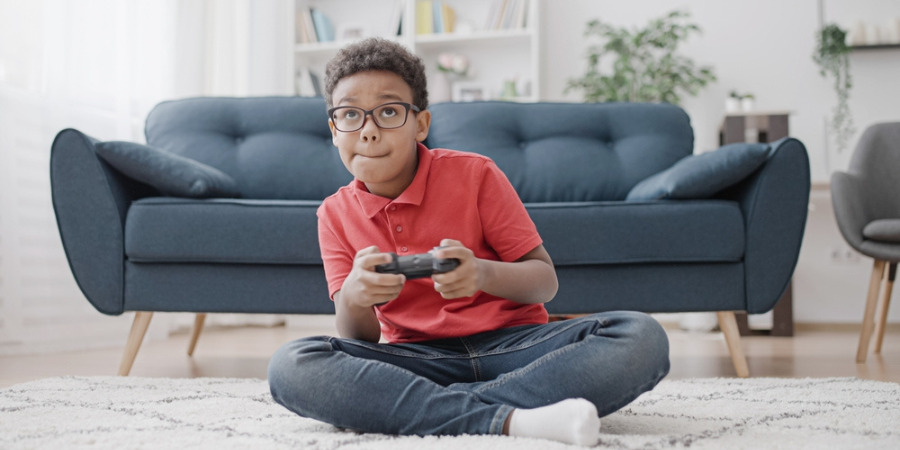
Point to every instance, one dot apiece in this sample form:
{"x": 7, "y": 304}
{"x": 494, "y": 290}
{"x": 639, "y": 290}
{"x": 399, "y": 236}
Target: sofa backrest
{"x": 280, "y": 147}
{"x": 564, "y": 152}
{"x": 274, "y": 147}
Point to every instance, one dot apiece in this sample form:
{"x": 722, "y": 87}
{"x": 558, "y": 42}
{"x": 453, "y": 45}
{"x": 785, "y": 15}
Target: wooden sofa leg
{"x": 135, "y": 338}
{"x": 884, "y": 304}
{"x": 198, "y": 327}
{"x": 869, "y": 314}
{"x": 728, "y": 324}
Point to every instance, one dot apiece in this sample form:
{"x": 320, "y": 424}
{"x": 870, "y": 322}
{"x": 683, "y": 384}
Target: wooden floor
{"x": 243, "y": 352}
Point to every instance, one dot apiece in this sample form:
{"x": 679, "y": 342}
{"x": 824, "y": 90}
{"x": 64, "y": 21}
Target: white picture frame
{"x": 351, "y": 32}
{"x": 465, "y": 91}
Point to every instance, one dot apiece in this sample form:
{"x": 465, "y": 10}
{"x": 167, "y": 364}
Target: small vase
{"x": 440, "y": 90}
{"x": 747, "y": 104}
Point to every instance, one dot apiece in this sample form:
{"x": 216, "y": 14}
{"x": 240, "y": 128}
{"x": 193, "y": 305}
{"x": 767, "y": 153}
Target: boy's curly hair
{"x": 377, "y": 54}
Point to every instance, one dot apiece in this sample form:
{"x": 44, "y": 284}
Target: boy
{"x": 469, "y": 351}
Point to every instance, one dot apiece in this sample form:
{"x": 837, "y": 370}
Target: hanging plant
{"x": 645, "y": 65}
{"x": 832, "y": 55}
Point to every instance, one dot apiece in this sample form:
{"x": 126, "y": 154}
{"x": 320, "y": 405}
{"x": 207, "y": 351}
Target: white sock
{"x": 573, "y": 421}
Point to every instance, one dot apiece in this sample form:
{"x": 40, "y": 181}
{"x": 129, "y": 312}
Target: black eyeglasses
{"x": 387, "y": 116}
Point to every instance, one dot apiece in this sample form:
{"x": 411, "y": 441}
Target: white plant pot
{"x": 747, "y": 104}
{"x": 732, "y": 105}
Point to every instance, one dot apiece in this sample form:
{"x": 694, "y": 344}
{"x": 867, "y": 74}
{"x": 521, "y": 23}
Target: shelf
{"x": 495, "y": 55}
{"x": 874, "y": 47}
{"x": 473, "y": 37}
{"x": 323, "y": 48}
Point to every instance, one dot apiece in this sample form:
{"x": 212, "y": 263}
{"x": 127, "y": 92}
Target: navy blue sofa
{"x": 252, "y": 246}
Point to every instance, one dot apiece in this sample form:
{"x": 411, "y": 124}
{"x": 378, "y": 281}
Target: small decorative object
{"x": 453, "y": 63}
{"x": 510, "y": 92}
{"x": 748, "y": 102}
{"x": 645, "y": 66}
{"x": 451, "y": 67}
{"x": 737, "y": 102}
{"x": 733, "y": 102}
{"x": 468, "y": 92}
{"x": 832, "y": 55}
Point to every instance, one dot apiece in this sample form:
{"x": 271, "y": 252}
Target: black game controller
{"x": 417, "y": 266}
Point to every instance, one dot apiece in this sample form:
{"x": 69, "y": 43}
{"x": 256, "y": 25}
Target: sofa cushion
{"x": 565, "y": 152}
{"x": 701, "y": 176}
{"x": 685, "y": 231}
{"x": 167, "y": 172}
{"x": 274, "y": 147}
{"x": 222, "y": 231}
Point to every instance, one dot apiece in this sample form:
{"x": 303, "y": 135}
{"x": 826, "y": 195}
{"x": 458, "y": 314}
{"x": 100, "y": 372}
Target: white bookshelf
{"x": 495, "y": 55}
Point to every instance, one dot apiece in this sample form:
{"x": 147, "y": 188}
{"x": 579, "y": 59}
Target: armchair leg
{"x": 869, "y": 314}
{"x": 728, "y": 324}
{"x": 198, "y": 327}
{"x": 135, "y": 338}
{"x": 884, "y": 305}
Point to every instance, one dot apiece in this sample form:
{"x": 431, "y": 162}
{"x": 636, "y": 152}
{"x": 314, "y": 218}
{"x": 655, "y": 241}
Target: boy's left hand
{"x": 465, "y": 280}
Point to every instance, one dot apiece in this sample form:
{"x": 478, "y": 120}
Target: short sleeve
{"x": 507, "y": 227}
{"x": 337, "y": 260}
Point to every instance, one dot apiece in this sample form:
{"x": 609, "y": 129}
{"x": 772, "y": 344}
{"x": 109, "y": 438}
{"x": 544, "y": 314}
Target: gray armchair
{"x": 867, "y": 208}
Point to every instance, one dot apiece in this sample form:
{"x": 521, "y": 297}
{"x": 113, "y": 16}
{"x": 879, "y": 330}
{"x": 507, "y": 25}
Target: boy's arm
{"x": 530, "y": 279}
{"x": 361, "y": 291}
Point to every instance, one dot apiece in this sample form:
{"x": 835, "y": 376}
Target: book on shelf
{"x": 323, "y": 25}
{"x": 306, "y": 31}
{"x": 395, "y": 25}
{"x": 307, "y": 83}
{"x": 313, "y": 26}
{"x": 424, "y": 17}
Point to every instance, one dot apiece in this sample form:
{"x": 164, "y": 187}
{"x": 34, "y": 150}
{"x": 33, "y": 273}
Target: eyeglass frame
{"x": 371, "y": 112}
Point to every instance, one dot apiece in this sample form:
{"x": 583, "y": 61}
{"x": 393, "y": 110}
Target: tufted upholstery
{"x": 557, "y": 152}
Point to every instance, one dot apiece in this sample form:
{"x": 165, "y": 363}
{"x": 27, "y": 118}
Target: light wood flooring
{"x": 243, "y": 352}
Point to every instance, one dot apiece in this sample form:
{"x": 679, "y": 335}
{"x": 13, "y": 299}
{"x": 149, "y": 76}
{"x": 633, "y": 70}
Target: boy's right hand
{"x": 364, "y": 287}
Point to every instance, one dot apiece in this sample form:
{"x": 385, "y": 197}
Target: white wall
{"x": 763, "y": 47}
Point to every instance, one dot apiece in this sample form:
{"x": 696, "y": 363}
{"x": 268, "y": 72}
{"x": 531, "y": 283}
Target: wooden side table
{"x": 761, "y": 126}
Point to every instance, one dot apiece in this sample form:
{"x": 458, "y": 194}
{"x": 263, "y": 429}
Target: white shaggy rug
{"x": 218, "y": 413}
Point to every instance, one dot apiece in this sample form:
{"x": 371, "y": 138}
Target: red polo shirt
{"x": 455, "y": 195}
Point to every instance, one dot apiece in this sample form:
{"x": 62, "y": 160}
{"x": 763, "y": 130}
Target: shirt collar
{"x": 412, "y": 195}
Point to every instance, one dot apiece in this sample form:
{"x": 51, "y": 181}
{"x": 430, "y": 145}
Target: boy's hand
{"x": 364, "y": 287}
{"x": 465, "y": 280}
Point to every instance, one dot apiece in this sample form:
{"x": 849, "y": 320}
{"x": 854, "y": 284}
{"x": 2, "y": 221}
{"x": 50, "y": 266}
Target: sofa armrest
{"x": 775, "y": 204}
{"x": 90, "y": 200}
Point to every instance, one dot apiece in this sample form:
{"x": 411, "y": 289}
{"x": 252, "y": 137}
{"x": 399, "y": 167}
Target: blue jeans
{"x": 470, "y": 385}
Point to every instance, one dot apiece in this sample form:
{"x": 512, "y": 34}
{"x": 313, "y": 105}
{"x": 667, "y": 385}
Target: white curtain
{"x": 100, "y": 66}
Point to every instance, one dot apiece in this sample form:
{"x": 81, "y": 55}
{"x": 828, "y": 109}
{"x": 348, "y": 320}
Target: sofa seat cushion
{"x": 174, "y": 230}
{"x": 689, "y": 231}
{"x": 884, "y": 230}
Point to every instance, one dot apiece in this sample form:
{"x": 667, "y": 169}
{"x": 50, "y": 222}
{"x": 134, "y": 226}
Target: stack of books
{"x": 507, "y": 15}
{"x": 313, "y": 26}
{"x": 434, "y": 17}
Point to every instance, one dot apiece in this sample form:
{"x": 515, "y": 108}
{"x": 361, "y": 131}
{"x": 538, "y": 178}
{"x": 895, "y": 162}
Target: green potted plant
{"x": 645, "y": 66}
{"x": 832, "y": 55}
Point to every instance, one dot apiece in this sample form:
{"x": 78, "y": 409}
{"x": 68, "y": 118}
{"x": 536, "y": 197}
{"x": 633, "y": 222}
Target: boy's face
{"x": 385, "y": 160}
